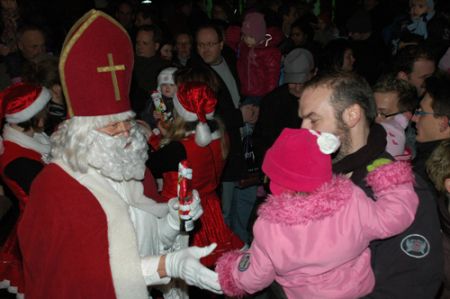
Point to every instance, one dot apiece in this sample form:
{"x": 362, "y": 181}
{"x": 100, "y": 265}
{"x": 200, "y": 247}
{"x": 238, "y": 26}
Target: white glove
{"x": 185, "y": 264}
{"x": 195, "y": 210}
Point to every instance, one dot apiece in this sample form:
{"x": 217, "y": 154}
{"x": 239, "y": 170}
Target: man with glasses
{"x": 432, "y": 120}
{"x": 210, "y": 47}
{"x": 396, "y": 100}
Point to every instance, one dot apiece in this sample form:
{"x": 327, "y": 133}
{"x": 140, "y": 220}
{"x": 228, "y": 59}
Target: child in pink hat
{"x": 313, "y": 232}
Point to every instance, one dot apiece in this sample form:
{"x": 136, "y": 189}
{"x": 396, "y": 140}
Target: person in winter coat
{"x": 23, "y": 151}
{"x": 195, "y": 136}
{"x": 259, "y": 60}
{"x": 312, "y": 235}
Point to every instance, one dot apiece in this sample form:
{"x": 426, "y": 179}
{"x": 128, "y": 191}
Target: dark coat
{"x": 278, "y": 110}
{"x": 408, "y": 265}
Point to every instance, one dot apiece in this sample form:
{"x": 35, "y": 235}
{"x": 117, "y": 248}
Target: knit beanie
{"x": 299, "y": 160}
{"x": 166, "y": 76}
{"x": 254, "y": 26}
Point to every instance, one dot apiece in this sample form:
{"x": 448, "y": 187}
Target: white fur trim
{"x": 27, "y": 113}
{"x": 102, "y": 120}
{"x": 187, "y": 115}
{"x": 125, "y": 261}
{"x": 6, "y": 284}
{"x": 40, "y": 143}
{"x": 202, "y": 134}
{"x": 166, "y": 76}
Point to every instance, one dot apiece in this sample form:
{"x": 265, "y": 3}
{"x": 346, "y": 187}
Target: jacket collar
{"x": 292, "y": 209}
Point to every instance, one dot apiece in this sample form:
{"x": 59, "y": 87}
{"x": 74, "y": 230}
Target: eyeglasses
{"x": 381, "y": 114}
{"x": 419, "y": 112}
{"x": 207, "y": 45}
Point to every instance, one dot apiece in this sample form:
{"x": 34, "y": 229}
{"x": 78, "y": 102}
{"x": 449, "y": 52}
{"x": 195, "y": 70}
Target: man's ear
{"x": 352, "y": 115}
{"x": 20, "y": 45}
{"x": 408, "y": 115}
{"x": 444, "y": 124}
{"x": 157, "y": 45}
{"x": 447, "y": 184}
{"x": 402, "y": 76}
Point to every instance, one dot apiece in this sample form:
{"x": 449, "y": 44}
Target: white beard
{"x": 119, "y": 158}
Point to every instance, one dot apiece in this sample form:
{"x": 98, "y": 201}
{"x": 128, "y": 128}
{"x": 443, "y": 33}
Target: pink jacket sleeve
{"x": 246, "y": 272}
{"x": 396, "y": 201}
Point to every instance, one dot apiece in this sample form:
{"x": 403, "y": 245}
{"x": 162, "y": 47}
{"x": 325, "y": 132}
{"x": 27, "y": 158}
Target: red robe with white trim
{"x": 207, "y": 164}
{"x": 10, "y": 256}
{"x": 78, "y": 240}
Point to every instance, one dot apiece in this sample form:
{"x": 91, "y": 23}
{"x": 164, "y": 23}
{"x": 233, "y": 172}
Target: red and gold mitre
{"x": 96, "y": 65}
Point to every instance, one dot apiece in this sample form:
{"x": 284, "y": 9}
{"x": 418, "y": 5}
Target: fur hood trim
{"x": 292, "y": 209}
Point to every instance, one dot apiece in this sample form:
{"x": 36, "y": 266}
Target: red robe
{"x": 10, "y": 256}
{"x": 77, "y": 239}
{"x": 207, "y": 164}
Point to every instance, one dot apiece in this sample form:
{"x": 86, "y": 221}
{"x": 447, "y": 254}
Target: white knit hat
{"x": 166, "y": 76}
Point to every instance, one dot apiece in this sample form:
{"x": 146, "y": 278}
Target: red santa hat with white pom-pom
{"x": 195, "y": 101}
{"x": 21, "y": 101}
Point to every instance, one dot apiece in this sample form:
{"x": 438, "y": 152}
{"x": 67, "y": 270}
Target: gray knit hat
{"x": 298, "y": 65}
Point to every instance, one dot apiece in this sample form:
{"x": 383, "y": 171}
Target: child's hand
{"x": 162, "y": 128}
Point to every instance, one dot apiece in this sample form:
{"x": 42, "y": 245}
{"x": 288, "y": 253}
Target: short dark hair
{"x": 157, "y": 33}
{"x": 332, "y": 57}
{"x": 438, "y": 87}
{"x": 406, "y": 92}
{"x": 305, "y": 28}
{"x": 218, "y": 31}
{"x": 347, "y": 89}
{"x": 406, "y": 57}
{"x": 28, "y": 27}
{"x": 148, "y": 12}
{"x": 184, "y": 33}
{"x": 44, "y": 71}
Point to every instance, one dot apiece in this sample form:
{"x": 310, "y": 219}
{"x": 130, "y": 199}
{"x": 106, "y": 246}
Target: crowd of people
{"x": 267, "y": 149}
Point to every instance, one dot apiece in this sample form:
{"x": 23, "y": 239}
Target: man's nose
{"x": 124, "y": 128}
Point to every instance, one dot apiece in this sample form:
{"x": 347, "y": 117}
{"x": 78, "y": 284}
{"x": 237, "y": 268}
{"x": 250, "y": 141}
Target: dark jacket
{"x": 278, "y": 110}
{"x": 144, "y": 80}
{"x": 408, "y": 265}
{"x": 232, "y": 119}
{"x": 424, "y": 150}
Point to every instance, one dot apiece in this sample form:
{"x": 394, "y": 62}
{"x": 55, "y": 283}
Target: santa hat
{"x": 21, "y": 101}
{"x": 196, "y": 101}
{"x": 299, "y": 160}
{"x": 166, "y": 76}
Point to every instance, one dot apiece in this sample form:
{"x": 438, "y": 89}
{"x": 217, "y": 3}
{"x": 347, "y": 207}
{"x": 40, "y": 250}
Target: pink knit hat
{"x": 299, "y": 160}
{"x": 254, "y": 26}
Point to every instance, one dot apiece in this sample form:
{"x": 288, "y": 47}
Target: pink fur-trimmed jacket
{"x": 316, "y": 246}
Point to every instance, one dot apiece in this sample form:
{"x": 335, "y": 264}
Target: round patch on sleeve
{"x": 244, "y": 263}
{"x": 415, "y": 245}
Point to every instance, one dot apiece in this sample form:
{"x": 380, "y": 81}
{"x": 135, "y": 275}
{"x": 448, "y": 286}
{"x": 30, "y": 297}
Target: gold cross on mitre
{"x": 112, "y": 68}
